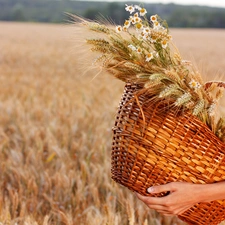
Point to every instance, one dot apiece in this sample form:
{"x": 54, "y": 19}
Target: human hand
{"x": 181, "y": 197}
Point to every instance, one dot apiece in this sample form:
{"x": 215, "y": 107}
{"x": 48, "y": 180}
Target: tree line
{"x": 54, "y": 11}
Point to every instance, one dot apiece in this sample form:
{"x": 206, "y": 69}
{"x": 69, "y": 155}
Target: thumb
{"x": 160, "y": 188}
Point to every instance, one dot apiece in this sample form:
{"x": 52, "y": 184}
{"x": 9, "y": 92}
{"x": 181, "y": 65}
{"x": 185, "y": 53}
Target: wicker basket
{"x": 152, "y": 146}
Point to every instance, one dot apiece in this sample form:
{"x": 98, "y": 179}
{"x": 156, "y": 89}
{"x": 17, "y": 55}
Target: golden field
{"x": 56, "y": 114}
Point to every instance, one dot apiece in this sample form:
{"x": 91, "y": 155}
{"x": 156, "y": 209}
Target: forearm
{"x": 183, "y": 196}
{"x": 211, "y": 192}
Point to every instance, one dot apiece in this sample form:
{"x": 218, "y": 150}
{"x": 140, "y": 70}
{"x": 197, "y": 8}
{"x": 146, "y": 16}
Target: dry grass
{"x": 55, "y": 128}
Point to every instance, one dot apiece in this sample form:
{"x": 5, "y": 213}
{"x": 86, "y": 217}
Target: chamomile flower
{"x": 127, "y": 23}
{"x": 142, "y": 11}
{"x": 194, "y": 84}
{"x": 153, "y": 18}
{"x": 149, "y": 57}
{"x": 139, "y": 26}
{"x": 141, "y": 36}
{"x": 144, "y": 36}
{"x": 137, "y": 19}
{"x": 133, "y": 48}
{"x": 164, "y": 43}
{"x": 132, "y": 19}
{"x": 119, "y": 29}
{"x": 156, "y": 25}
{"x": 125, "y": 29}
{"x": 146, "y": 30}
{"x": 130, "y": 8}
{"x": 136, "y": 14}
{"x": 137, "y": 7}
{"x": 139, "y": 50}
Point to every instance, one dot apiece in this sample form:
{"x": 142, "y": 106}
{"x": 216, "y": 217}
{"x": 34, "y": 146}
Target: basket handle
{"x": 218, "y": 83}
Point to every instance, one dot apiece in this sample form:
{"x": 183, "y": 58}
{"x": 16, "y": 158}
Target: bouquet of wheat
{"x": 166, "y": 128}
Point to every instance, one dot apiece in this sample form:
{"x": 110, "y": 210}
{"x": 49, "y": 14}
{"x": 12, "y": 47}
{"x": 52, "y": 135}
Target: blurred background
{"x": 177, "y": 13}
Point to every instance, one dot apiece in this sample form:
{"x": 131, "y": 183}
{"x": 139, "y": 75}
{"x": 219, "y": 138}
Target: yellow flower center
{"x": 139, "y": 26}
{"x": 194, "y": 84}
{"x": 127, "y": 22}
{"x": 124, "y": 29}
{"x": 139, "y": 50}
{"x": 164, "y": 42}
{"x": 153, "y": 18}
{"x": 119, "y": 28}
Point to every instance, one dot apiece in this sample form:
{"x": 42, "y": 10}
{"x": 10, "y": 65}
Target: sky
{"x": 214, "y": 3}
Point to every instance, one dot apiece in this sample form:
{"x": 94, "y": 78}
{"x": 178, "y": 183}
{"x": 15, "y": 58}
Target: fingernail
{"x": 150, "y": 190}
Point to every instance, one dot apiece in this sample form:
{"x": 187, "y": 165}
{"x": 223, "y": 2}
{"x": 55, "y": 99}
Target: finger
{"x": 151, "y": 200}
{"x": 161, "y": 188}
{"x": 158, "y": 207}
{"x": 142, "y": 197}
{"x": 166, "y": 214}
{"x": 173, "y": 211}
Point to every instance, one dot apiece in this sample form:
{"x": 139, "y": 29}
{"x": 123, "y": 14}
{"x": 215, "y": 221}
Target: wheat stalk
{"x": 142, "y": 51}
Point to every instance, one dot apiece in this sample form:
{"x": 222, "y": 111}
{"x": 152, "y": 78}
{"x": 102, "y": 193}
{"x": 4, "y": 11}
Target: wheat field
{"x": 56, "y": 115}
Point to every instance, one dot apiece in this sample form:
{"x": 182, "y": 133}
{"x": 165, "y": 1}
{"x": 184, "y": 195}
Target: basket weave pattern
{"x": 153, "y": 146}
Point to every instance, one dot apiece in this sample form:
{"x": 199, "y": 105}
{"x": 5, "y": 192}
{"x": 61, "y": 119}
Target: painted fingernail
{"x": 150, "y": 189}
